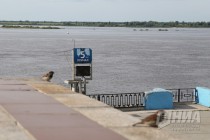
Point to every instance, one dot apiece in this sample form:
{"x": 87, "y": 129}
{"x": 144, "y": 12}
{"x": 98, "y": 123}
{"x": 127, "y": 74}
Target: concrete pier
{"x": 37, "y": 110}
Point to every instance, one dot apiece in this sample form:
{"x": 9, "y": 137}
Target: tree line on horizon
{"x": 146, "y": 24}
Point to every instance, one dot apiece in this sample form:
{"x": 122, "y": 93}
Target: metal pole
{"x": 80, "y": 86}
{"x": 179, "y": 95}
{"x": 84, "y": 80}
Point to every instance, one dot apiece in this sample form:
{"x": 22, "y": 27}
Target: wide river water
{"x": 124, "y": 59}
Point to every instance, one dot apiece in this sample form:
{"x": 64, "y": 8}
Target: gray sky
{"x": 105, "y": 10}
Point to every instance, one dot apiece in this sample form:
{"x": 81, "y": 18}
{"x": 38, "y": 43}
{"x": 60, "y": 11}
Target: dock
{"x": 37, "y": 110}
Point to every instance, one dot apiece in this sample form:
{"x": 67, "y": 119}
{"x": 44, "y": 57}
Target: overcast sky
{"x": 105, "y": 10}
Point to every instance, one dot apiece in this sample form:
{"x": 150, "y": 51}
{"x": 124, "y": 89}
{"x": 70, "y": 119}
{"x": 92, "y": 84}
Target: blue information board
{"x": 82, "y": 55}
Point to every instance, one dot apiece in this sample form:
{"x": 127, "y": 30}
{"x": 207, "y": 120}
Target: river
{"x": 124, "y": 59}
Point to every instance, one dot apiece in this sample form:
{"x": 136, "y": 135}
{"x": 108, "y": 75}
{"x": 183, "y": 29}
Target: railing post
{"x": 98, "y": 98}
{"x": 196, "y": 95}
{"x": 179, "y": 95}
{"x": 143, "y": 99}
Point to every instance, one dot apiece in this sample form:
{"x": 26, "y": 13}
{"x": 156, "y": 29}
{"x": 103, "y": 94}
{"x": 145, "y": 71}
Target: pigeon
{"x": 153, "y": 120}
{"x": 48, "y": 76}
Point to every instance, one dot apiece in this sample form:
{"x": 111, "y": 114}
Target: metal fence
{"x": 132, "y": 100}
{"x": 122, "y": 100}
{"x": 184, "y": 95}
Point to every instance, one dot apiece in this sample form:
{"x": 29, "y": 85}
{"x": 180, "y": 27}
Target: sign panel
{"x": 83, "y": 71}
{"x": 82, "y": 55}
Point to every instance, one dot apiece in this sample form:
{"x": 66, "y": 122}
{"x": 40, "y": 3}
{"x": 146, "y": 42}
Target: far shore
{"x": 133, "y": 24}
{"x": 29, "y": 27}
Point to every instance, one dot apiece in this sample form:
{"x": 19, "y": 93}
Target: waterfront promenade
{"x": 36, "y": 110}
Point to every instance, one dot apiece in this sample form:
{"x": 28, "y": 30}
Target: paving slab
{"x": 189, "y": 106}
{"x": 47, "y": 87}
{"x": 5, "y": 85}
{"x": 78, "y": 100}
{"x": 95, "y": 110}
{"x": 10, "y": 129}
{"x": 23, "y": 97}
{"x": 11, "y": 82}
{"x": 144, "y": 133}
{"x": 108, "y": 117}
{"x": 22, "y": 87}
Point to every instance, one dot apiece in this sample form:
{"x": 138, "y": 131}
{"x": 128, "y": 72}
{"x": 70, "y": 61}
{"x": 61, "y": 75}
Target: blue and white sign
{"x": 82, "y": 55}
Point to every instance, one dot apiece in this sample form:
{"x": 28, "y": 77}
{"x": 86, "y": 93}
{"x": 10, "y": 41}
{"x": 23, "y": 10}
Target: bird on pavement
{"x": 153, "y": 120}
{"x": 48, "y": 76}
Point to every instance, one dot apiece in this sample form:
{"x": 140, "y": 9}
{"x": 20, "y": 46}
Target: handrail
{"x": 128, "y": 100}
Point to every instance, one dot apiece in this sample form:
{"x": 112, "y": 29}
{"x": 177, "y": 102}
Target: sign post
{"x": 82, "y": 67}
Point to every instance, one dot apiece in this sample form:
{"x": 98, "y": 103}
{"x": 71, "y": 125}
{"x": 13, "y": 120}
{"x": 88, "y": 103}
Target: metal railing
{"x": 132, "y": 100}
{"x": 184, "y": 95}
{"x": 123, "y": 100}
